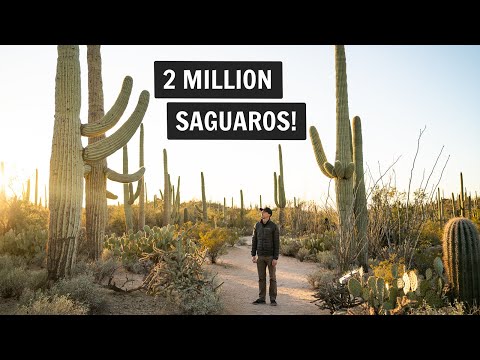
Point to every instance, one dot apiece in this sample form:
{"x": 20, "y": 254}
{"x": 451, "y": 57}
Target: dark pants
{"x": 262, "y": 263}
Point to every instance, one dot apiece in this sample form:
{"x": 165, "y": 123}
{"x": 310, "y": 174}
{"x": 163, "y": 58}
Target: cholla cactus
{"x": 70, "y": 162}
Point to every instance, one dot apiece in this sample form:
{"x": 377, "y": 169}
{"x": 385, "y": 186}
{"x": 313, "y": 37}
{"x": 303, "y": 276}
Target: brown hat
{"x": 267, "y": 209}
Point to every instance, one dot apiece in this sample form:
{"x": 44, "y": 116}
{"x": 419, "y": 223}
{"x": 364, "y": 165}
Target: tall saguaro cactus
{"x": 36, "y": 187}
{"x": 360, "y": 199}
{"x": 279, "y": 189}
{"x": 166, "y": 191}
{"x": 70, "y": 162}
{"x": 242, "y": 208}
{"x": 2, "y": 188}
{"x": 462, "y": 197}
{"x": 96, "y": 179}
{"x": 204, "y": 200}
{"x": 350, "y": 200}
{"x": 141, "y": 184}
{"x": 461, "y": 258}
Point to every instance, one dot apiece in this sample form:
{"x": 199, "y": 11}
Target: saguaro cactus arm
{"x": 106, "y": 147}
{"x": 111, "y": 196}
{"x": 325, "y": 167}
{"x": 113, "y": 116}
{"x": 124, "y": 178}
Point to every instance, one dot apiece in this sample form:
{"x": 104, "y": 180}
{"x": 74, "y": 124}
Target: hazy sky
{"x": 396, "y": 90}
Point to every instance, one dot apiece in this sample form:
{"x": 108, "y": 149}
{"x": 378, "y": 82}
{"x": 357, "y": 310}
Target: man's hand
{"x": 274, "y": 262}
{"x": 254, "y": 259}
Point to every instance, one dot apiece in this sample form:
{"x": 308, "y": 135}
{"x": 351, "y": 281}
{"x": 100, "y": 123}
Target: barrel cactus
{"x": 461, "y": 259}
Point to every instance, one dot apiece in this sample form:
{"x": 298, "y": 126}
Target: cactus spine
{"x": 204, "y": 200}
{"x": 461, "y": 259}
{"x": 279, "y": 189}
{"x": 350, "y": 201}
{"x": 166, "y": 190}
{"x": 70, "y": 162}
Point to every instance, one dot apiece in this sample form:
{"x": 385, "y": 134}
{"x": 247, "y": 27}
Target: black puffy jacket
{"x": 266, "y": 239}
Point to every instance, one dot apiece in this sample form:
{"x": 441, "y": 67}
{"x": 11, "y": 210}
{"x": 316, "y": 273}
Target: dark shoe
{"x": 258, "y": 301}
{"x": 273, "y": 303}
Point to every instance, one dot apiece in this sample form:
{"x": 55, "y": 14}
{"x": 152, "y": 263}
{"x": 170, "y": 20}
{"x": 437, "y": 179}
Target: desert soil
{"x": 240, "y": 285}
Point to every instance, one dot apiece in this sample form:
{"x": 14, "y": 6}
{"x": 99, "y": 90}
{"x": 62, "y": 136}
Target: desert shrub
{"x": 302, "y": 254}
{"x": 242, "y": 241}
{"x": 37, "y": 279}
{"x": 204, "y": 302}
{"x": 383, "y": 269}
{"x": 289, "y": 246}
{"x": 15, "y": 278}
{"x": 103, "y": 269}
{"x": 52, "y": 305}
{"x": 232, "y": 236}
{"x": 327, "y": 260}
{"x": 116, "y": 221}
{"x": 215, "y": 242}
{"x": 13, "y": 281}
{"x": 430, "y": 234}
{"x": 320, "y": 277}
{"x": 424, "y": 257}
{"x": 29, "y": 242}
{"x": 130, "y": 247}
{"x": 331, "y": 294}
{"x": 195, "y": 231}
{"x": 425, "y": 309}
{"x": 178, "y": 276}
{"x": 82, "y": 289}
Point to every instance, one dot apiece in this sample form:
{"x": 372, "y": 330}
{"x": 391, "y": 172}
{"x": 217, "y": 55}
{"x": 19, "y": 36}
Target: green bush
{"x": 430, "y": 234}
{"x": 215, "y": 242}
{"x": 327, "y": 260}
{"x": 321, "y": 277}
{"x": 303, "y": 254}
{"x": 232, "y": 236}
{"x": 54, "y": 305}
{"x": 29, "y": 243}
{"x": 179, "y": 277}
{"x": 82, "y": 289}
{"x": 131, "y": 247}
{"x": 15, "y": 278}
{"x": 13, "y": 282}
{"x": 289, "y": 246}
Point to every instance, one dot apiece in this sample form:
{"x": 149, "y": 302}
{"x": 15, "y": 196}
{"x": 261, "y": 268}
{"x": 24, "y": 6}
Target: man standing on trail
{"x": 266, "y": 243}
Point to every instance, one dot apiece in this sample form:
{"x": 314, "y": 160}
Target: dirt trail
{"x": 240, "y": 285}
